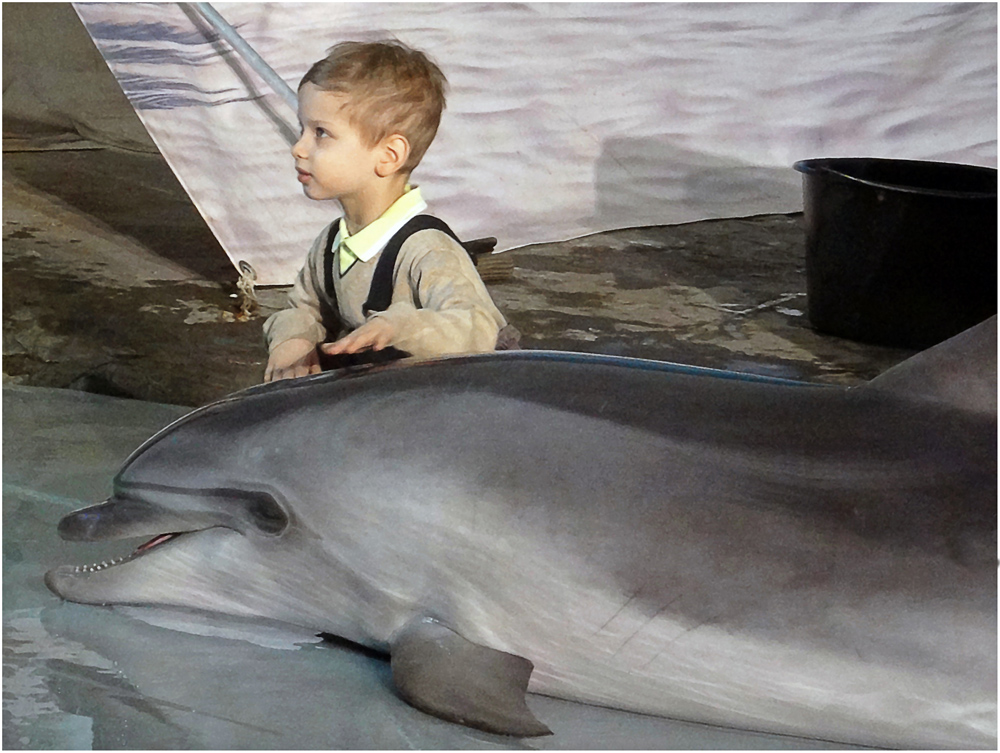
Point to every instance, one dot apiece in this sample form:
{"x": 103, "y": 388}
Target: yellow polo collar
{"x": 371, "y": 239}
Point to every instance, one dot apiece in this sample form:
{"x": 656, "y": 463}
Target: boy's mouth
{"x": 303, "y": 175}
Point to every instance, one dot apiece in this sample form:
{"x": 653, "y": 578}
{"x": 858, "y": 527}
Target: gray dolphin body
{"x": 796, "y": 559}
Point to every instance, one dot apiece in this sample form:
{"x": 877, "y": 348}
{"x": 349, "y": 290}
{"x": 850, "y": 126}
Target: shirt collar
{"x": 371, "y": 239}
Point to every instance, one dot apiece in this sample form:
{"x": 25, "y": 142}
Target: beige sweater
{"x": 439, "y": 304}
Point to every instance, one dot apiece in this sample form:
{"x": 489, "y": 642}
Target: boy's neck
{"x": 363, "y": 209}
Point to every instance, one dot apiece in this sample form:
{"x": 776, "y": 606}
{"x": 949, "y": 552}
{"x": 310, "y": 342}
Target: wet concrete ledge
{"x": 113, "y": 283}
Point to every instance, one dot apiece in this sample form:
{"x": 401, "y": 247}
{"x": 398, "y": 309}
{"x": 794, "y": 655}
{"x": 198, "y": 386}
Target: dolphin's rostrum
{"x": 807, "y": 560}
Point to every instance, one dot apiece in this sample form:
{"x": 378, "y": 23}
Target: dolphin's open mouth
{"x": 156, "y": 541}
{"x": 161, "y": 539}
{"x": 164, "y": 513}
{"x": 114, "y": 581}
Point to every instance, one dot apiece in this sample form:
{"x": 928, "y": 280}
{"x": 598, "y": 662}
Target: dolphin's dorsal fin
{"x": 440, "y": 672}
{"x": 961, "y": 371}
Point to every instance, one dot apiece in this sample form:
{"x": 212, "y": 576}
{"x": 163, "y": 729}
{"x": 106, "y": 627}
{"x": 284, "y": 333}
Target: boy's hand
{"x": 292, "y": 358}
{"x": 376, "y": 334}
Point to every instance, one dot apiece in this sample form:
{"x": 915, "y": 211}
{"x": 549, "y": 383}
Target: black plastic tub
{"x": 899, "y": 252}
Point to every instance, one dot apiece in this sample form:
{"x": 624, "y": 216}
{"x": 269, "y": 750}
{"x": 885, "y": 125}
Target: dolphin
{"x": 745, "y": 552}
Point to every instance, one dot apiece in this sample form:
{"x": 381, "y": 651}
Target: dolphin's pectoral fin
{"x": 440, "y": 672}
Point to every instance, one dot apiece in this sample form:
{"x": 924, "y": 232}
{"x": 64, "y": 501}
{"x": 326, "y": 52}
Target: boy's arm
{"x": 448, "y": 310}
{"x": 302, "y": 319}
{"x": 293, "y": 333}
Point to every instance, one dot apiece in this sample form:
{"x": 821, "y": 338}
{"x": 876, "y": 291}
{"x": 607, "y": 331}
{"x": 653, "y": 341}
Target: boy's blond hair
{"x": 390, "y": 88}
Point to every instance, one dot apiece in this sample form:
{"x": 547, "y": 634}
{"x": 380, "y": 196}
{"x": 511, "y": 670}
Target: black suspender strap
{"x": 328, "y": 258}
{"x": 380, "y": 294}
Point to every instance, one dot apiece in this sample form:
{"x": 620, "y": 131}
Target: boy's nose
{"x": 298, "y": 148}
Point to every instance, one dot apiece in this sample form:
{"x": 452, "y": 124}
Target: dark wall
{"x": 56, "y": 85}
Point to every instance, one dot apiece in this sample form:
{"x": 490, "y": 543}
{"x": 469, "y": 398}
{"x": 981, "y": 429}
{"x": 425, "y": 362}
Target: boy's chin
{"x": 312, "y": 193}
{"x": 318, "y": 193}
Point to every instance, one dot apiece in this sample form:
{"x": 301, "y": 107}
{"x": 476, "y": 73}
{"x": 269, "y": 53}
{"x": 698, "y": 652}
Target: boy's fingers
{"x": 350, "y": 344}
{"x": 372, "y": 339}
{"x": 332, "y": 349}
{"x": 375, "y": 334}
{"x": 276, "y": 373}
{"x": 291, "y": 359}
{"x": 303, "y": 369}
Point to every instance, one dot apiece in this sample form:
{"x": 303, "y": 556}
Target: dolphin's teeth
{"x": 104, "y": 564}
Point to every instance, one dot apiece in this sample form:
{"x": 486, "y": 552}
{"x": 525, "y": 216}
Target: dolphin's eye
{"x": 265, "y": 513}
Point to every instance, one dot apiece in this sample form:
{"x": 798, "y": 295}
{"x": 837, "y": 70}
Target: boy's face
{"x": 331, "y": 158}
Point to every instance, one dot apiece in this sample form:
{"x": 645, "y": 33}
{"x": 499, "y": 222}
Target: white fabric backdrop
{"x": 565, "y": 119}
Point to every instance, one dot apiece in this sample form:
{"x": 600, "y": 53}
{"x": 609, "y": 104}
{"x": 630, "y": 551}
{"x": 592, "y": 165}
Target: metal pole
{"x": 249, "y": 55}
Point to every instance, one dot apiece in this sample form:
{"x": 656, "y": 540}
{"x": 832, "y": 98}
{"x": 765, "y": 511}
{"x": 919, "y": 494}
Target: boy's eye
{"x": 321, "y": 132}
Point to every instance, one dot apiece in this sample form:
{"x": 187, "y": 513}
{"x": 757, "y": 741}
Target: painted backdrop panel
{"x": 570, "y": 118}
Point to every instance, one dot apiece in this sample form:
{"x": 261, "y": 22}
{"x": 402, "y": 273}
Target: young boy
{"x": 368, "y": 112}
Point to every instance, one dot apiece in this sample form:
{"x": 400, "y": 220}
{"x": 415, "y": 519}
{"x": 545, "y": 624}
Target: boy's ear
{"x": 394, "y": 151}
